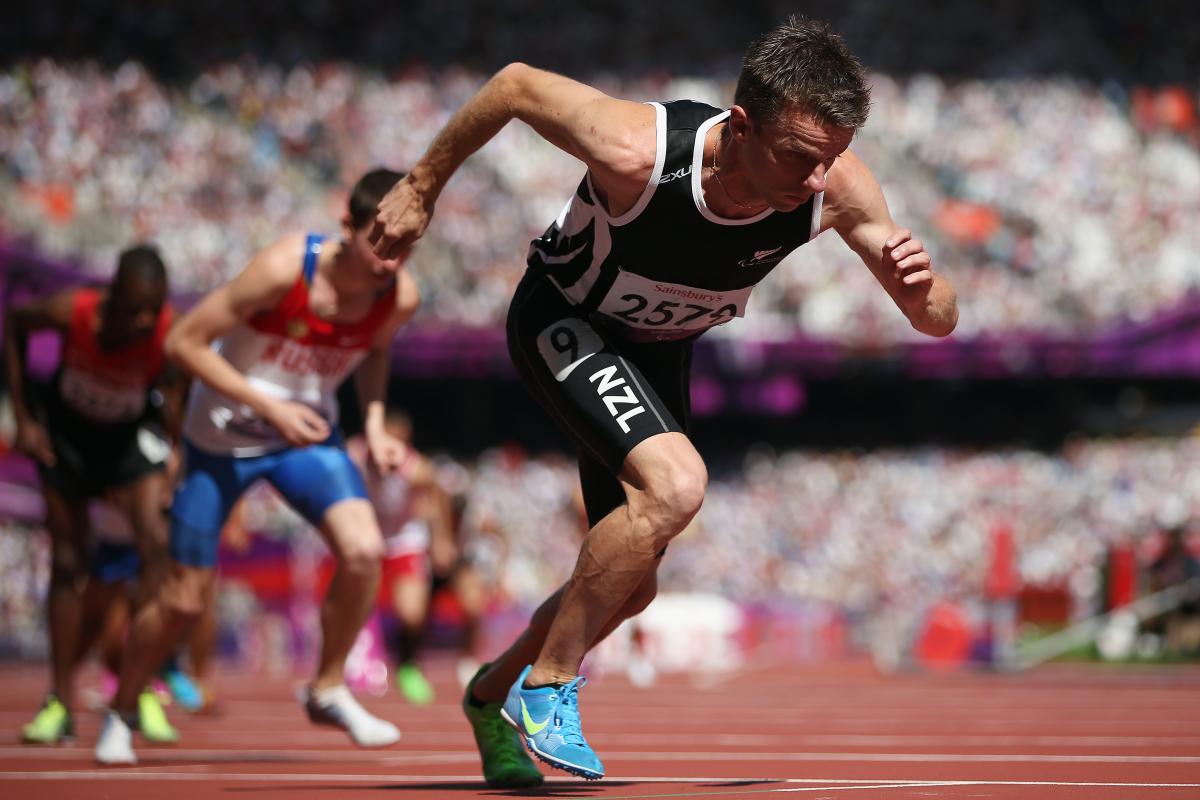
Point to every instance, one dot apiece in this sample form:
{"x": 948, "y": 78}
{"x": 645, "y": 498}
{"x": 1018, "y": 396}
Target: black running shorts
{"x": 607, "y": 394}
{"x": 91, "y": 457}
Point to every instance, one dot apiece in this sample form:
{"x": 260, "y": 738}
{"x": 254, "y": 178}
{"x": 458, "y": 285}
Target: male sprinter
{"x": 91, "y": 437}
{"x": 304, "y": 314}
{"x": 684, "y": 208}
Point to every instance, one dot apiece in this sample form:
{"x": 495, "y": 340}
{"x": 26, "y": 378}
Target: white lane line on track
{"x": 463, "y": 756}
{"x": 872, "y": 787}
{"x": 1072, "y": 784}
{"x": 120, "y": 773}
{"x": 809, "y": 784}
{"x": 174, "y": 756}
{"x": 229, "y": 738}
{"x": 908, "y": 757}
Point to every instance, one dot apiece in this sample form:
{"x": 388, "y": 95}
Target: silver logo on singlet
{"x": 676, "y": 175}
{"x": 761, "y": 257}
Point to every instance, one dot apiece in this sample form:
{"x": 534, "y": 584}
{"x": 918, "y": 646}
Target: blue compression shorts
{"x": 112, "y": 563}
{"x": 311, "y": 479}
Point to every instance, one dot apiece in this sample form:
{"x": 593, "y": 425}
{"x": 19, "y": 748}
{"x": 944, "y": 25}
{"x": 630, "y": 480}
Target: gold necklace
{"x": 717, "y": 175}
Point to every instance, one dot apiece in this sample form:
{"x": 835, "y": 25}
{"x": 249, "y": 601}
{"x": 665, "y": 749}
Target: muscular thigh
{"x": 66, "y": 520}
{"x": 315, "y": 479}
{"x": 606, "y": 394}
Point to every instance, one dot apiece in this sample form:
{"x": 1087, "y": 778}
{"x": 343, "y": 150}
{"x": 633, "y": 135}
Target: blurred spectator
{"x": 841, "y": 528}
{"x": 1055, "y": 205}
{"x": 1175, "y": 565}
{"x": 1092, "y": 39}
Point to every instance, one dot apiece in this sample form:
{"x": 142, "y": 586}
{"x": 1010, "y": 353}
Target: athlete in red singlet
{"x": 414, "y": 517}
{"x": 92, "y": 436}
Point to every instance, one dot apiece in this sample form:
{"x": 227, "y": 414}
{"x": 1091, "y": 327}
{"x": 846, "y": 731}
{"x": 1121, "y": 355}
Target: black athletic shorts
{"x": 91, "y": 457}
{"x": 607, "y": 394}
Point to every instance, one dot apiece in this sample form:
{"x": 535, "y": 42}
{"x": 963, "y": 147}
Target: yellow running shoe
{"x": 51, "y": 725}
{"x": 152, "y": 720}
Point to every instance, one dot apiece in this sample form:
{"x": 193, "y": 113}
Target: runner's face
{"x": 788, "y": 159}
{"x": 132, "y": 312}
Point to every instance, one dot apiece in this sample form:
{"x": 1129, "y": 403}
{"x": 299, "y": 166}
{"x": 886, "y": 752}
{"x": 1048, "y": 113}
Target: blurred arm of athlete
{"x": 172, "y": 387}
{"x": 371, "y": 378}
{"x": 48, "y": 313}
{"x": 614, "y": 138}
{"x": 436, "y": 508}
{"x": 855, "y": 207}
{"x": 259, "y": 287}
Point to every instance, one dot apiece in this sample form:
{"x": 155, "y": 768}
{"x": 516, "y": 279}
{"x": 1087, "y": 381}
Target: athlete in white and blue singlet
{"x": 683, "y": 209}
{"x": 304, "y": 314}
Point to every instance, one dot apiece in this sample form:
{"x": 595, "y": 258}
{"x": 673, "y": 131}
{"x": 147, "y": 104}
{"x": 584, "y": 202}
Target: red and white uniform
{"x": 406, "y": 536}
{"x": 287, "y": 352}
{"x": 107, "y": 386}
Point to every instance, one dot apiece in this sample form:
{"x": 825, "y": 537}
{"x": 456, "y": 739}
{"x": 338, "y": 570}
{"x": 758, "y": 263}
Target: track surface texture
{"x": 834, "y": 731}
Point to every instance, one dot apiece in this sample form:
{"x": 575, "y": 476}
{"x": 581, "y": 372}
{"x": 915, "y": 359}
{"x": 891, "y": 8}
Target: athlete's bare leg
{"x": 411, "y": 600}
{"x": 158, "y": 627}
{"x": 66, "y": 520}
{"x": 472, "y": 593}
{"x": 105, "y": 620}
{"x": 664, "y": 480}
{"x": 352, "y": 532}
{"x": 202, "y": 643}
{"x": 410, "y": 603}
{"x": 141, "y": 502}
{"x": 493, "y": 685}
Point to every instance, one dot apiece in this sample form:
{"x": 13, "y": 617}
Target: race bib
{"x": 100, "y": 401}
{"x": 661, "y": 310}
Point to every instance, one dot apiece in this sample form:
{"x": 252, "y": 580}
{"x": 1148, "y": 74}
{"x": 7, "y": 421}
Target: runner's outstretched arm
{"x": 614, "y": 138}
{"x": 371, "y": 378}
{"x": 856, "y": 208}
{"x": 53, "y": 312}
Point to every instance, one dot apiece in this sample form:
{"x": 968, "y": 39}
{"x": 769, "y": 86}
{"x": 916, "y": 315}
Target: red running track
{"x": 837, "y": 732}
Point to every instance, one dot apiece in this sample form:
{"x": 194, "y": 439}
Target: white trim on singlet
{"x": 698, "y": 171}
{"x": 573, "y": 219}
{"x": 814, "y": 227}
{"x": 660, "y": 157}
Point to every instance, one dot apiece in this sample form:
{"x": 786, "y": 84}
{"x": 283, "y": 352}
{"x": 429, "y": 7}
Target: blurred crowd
{"x": 24, "y": 576}
{"x": 862, "y": 529}
{"x": 1093, "y": 39}
{"x": 857, "y": 531}
{"x": 1055, "y": 205}
{"x": 853, "y": 529}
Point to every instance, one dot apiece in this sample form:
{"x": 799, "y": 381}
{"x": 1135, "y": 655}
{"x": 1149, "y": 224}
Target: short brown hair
{"x": 803, "y": 62}
{"x": 366, "y": 194}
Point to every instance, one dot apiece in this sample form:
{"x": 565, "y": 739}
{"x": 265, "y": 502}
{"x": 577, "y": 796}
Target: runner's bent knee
{"x": 669, "y": 500}
{"x": 353, "y": 533}
{"x": 67, "y": 563}
{"x": 186, "y": 591}
{"x": 362, "y": 557}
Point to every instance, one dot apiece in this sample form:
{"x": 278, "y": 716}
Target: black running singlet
{"x": 668, "y": 268}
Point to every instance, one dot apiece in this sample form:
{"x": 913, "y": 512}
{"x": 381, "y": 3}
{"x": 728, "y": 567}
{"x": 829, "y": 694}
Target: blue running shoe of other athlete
{"x": 548, "y": 720}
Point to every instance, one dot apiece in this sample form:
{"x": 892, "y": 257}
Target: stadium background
{"x": 1047, "y": 155}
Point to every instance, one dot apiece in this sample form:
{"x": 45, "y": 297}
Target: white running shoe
{"x": 465, "y": 670}
{"x": 336, "y": 706}
{"x": 115, "y": 745}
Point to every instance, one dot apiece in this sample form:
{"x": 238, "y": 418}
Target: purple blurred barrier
{"x": 1166, "y": 346}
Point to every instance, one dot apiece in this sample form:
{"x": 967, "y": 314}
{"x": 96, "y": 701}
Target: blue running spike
{"x": 548, "y": 721}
